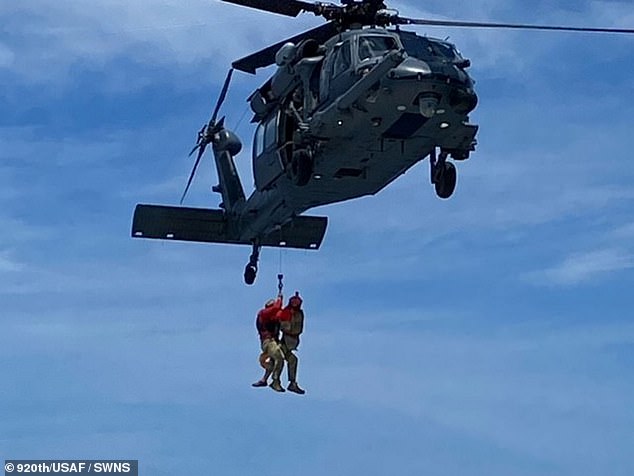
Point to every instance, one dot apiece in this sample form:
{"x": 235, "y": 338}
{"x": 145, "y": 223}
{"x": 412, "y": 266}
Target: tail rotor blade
{"x": 206, "y": 133}
{"x": 223, "y": 96}
{"x": 201, "y": 151}
{"x": 196, "y": 147}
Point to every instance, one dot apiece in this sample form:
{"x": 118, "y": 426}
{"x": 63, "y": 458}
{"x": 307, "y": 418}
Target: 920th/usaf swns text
{"x": 35, "y": 467}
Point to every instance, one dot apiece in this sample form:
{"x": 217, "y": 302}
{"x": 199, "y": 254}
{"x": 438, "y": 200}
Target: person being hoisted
{"x": 292, "y": 325}
{"x": 268, "y": 326}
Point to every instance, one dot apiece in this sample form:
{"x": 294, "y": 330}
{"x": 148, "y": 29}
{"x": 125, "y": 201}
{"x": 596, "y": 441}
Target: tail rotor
{"x": 207, "y": 133}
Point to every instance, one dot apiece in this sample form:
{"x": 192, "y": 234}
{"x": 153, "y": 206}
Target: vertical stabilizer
{"x": 226, "y": 145}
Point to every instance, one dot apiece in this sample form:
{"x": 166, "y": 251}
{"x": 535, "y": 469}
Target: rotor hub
{"x": 354, "y": 13}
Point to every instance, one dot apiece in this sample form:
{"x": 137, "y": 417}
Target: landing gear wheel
{"x": 445, "y": 182}
{"x": 301, "y": 167}
{"x": 251, "y": 269}
{"x": 250, "y": 272}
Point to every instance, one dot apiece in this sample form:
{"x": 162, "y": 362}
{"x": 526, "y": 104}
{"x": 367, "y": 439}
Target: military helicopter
{"x": 353, "y": 104}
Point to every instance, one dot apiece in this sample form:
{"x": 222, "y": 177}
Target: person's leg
{"x": 267, "y": 363}
{"x": 274, "y": 351}
{"x": 292, "y": 360}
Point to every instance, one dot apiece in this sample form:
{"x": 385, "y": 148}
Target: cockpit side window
{"x": 444, "y": 50}
{"x": 429, "y": 49}
{"x": 417, "y": 46}
{"x": 342, "y": 60}
{"x": 374, "y": 46}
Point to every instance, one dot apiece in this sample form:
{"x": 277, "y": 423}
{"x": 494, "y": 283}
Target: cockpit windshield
{"x": 430, "y": 48}
{"x": 374, "y": 46}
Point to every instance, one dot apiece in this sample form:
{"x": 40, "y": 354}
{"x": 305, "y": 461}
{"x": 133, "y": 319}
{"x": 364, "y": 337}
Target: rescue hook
{"x": 280, "y": 284}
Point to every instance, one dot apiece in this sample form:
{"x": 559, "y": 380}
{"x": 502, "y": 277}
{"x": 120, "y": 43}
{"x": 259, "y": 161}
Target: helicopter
{"x": 352, "y": 105}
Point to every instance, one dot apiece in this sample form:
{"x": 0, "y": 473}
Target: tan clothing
{"x": 292, "y": 361}
{"x": 274, "y": 351}
{"x": 295, "y": 326}
{"x": 290, "y": 340}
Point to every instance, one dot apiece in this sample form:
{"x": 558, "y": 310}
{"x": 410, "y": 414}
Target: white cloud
{"x": 584, "y": 267}
{"x": 6, "y": 56}
{"x": 624, "y": 233}
{"x": 24, "y": 146}
{"x": 60, "y": 34}
{"x": 162, "y": 33}
{"x": 524, "y": 388}
{"x": 614, "y": 14}
{"x": 169, "y": 323}
{"x": 488, "y": 49}
{"x": 8, "y": 263}
{"x": 19, "y": 232}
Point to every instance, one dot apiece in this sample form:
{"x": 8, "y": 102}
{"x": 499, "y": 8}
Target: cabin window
{"x": 270, "y": 134}
{"x": 259, "y": 140}
{"x": 343, "y": 59}
{"x": 374, "y": 46}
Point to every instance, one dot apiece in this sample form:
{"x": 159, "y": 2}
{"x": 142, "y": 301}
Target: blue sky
{"x": 490, "y": 334}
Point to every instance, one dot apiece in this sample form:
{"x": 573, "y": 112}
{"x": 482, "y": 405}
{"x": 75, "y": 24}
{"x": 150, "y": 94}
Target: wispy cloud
{"x": 6, "y": 56}
{"x": 160, "y": 33}
{"x": 491, "y": 384}
{"x": 8, "y": 263}
{"x": 419, "y": 335}
{"x": 584, "y": 267}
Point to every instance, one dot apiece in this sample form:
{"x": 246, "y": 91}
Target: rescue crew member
{"x": 268, "y": 326}
{"x": 292, "y": 325}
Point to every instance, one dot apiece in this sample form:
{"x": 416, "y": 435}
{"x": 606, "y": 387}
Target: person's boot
{"x": 259, "y": 383}
{"x": 293, "y": 387}
{"x": 275, "y": 385}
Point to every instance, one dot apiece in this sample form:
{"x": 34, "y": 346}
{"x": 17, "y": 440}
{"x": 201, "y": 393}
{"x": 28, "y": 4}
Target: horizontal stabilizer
{"x": 211, "y": 226}
{"x": 180, "y": 223}
{"x": 304, "y": 232}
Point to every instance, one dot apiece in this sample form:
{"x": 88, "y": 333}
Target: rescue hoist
{"x": 280, "y": 284}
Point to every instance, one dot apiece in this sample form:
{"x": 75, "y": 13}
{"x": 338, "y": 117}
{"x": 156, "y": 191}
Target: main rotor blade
{"x": 266, "y": 57}
{"x": 201, "y": 151}
{"x": 515, "y": 26}
{"x": 290, "y": 8}
{"x": 223, "y": 95}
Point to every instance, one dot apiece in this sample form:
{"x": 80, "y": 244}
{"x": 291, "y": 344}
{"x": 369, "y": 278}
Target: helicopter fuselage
{"x": 365, "y": 107}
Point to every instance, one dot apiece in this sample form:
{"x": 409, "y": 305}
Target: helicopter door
{"x": 337, "y": 76}
{"x": 266, "y": 158}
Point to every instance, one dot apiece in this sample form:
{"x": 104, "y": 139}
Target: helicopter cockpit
{"x": 353, "y": 53}
{"x": 432, "y": 50}
{"x": 373, "y": 46}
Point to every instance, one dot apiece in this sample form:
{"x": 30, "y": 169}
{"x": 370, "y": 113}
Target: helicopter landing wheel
{"x": 301, "y": 167}
{"x": 250, "y": 272}
{"x": 445, "y": 182}
{"x": 251, "y": 269}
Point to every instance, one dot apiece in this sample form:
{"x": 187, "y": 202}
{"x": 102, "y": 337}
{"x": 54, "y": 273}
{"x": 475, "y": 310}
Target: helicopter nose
{"x": 463, "y": 100}
{"x": 410, "y": 68}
